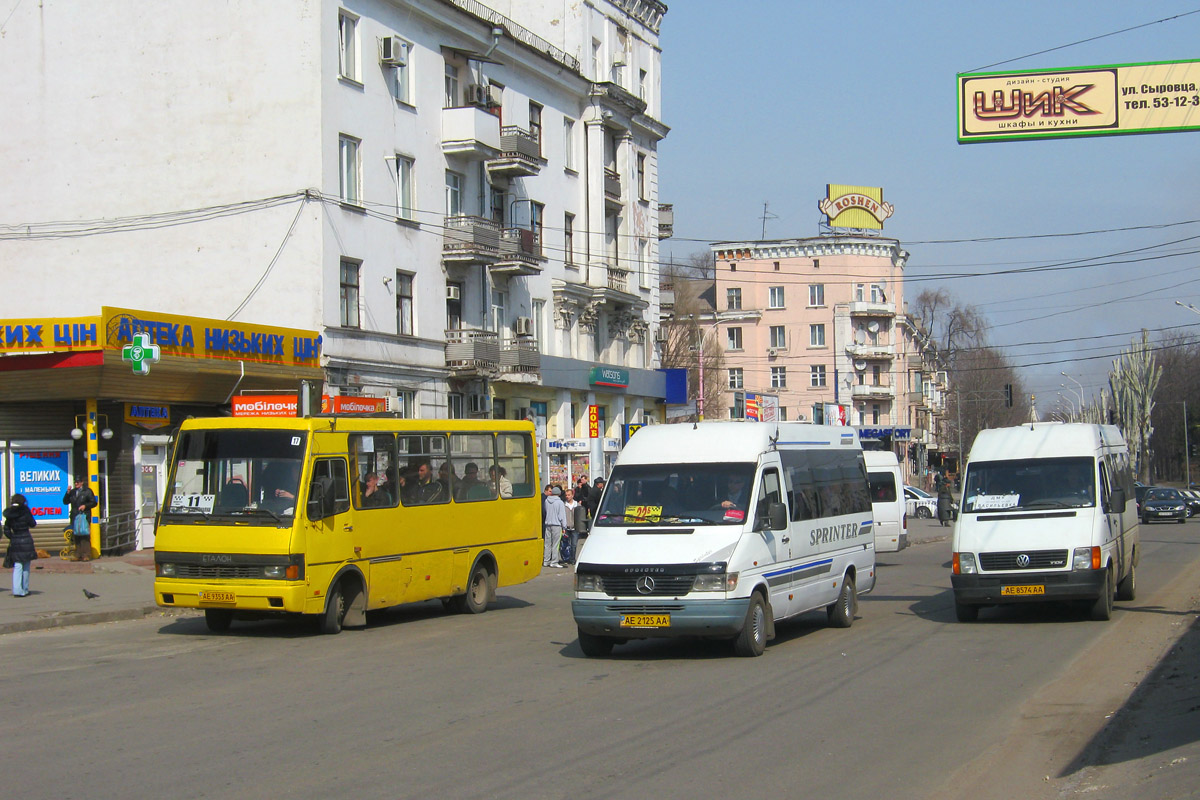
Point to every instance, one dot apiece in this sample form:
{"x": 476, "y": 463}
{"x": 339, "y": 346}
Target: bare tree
{"x": 689, "y": 339}
{"x": 1134, "y": 381}
{"x": 1178, "y": 390}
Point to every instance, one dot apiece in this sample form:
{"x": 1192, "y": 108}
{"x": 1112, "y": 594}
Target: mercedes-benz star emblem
{"x": 1022, "y": 561}
{"x": 645, "y": 584}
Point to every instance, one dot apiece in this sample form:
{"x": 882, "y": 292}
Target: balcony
{"x": 520, "y": 355}
{"x": 874, "y": 351}
{"x": 470, "y": 132}
{"x": 472, "y": 352}
{"x": 864, "y": 309}
{"x": 520, "y": 253}
{"x": 882, "y": 391}
{"x": 666, "y": 220}
{"x": 470, "y": 240}
{"x": 612, "y": 187}
{"x": 520, "y": 154}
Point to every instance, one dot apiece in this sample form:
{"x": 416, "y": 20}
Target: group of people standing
{"x": 566, "y": 515}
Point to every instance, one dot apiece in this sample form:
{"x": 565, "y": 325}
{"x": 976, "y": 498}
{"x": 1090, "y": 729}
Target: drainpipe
{"x": 496, "y": 34}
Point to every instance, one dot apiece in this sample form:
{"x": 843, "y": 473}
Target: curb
{"x": 65, "y": 620}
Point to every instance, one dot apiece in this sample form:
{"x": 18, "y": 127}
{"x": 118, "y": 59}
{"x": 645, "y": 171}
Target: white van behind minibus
{"x": 720, "y": 529}
{"x": 1047, "y": 514}
{"x": 887, "y": 501}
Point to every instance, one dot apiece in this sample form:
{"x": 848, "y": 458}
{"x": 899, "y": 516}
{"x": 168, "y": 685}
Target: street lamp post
{"x": 1080, "y": 385}
{"x": 1072, "y": 405}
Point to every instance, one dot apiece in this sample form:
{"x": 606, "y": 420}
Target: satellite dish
{"x": 860, "y": 365}
{"x": 873, "y": 326}
{"x": 860, "y": 336}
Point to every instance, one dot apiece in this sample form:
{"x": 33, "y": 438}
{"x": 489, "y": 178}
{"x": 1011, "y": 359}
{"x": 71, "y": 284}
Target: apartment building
{"x": 433, "y": 206}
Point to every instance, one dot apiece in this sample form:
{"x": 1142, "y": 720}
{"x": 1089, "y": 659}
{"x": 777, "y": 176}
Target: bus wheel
{"x": 218, "y": 619}
{"x": 841, "y": 614}
{"x": 1127, "y": 588}
{"x": 753, "y": 639}
{"x": 475, "y": 601}
{"x": 335, "y": 611}
{"x": 595, "y": 646}
{"x": 1102, "y": 608}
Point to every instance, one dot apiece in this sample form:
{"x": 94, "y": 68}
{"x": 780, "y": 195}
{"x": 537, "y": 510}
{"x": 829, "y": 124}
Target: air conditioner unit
{"x": 453, "y": 293}
{"x": 772, "y": 351}
{"x": 393, "y": 51}
{"x": 524, "y": 326}
{"x": 660, "y": 335}
{"x": 395, "y": 405}
{"x": 476, "y": 95}
{"x": 495, "y": 96}
{"x": 618, "y": 59}
{"x": 479, "y": 403}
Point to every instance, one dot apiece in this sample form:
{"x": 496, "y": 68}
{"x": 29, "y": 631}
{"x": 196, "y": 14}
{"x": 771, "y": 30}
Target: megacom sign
{"x": 1156, "y": 97}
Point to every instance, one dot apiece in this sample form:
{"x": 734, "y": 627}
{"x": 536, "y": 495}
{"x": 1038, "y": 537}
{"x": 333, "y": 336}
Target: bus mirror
{"x": 777, "y": 514}
{"x": 1116, "y": 501}
{"x": 320, "y": 499}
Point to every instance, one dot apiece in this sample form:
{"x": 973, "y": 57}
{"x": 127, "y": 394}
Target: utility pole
{"x": 766, "y": 216}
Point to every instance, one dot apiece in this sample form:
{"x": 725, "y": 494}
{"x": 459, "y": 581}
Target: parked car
{"x": 1162, "y": 503}
{"x": 1139, "y": 491}
{"x": 1191, "y": 498}
{"x": 923, "y": 505}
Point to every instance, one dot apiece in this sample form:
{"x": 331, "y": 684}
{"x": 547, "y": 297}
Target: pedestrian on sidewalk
{"x": 556, "y": 521}
{"x": 945, "y": 501}
{"x": 18, "y": 521}
{"x": 81, "y": 500}
{"x": 570, "y": 533}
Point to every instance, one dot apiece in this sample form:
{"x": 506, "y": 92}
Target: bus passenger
{"x": 374, "y": 495}
{"x": 423, "y": 489}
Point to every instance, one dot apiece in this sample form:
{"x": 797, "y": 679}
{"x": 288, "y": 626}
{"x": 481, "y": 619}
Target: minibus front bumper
{"x": 635, "y": 619}
{"x": 1027, "y": 587}
{"x": 265, "y": 596}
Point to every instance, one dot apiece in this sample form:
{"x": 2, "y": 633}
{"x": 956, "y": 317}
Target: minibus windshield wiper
{"x": 1047, "y": 502}
{"x": 259, "y": 509}
{"x": 188, "y": 511}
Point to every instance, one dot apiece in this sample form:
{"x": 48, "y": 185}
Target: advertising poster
{"x": 43, "y": 477}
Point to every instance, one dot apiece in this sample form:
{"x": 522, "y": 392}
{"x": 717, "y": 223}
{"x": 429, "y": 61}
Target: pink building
{"x": 818, "y": 327}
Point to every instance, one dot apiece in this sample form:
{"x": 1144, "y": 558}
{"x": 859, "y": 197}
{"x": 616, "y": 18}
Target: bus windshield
{"x": 1025, "y": 484}
{"x": 677, "y": 494}
{"x": 251, "y": 474}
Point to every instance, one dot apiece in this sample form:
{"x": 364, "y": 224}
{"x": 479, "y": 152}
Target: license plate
{"x": 645, "y": 620}
{"x": 209, "y": 596}
{"x": 1011, "y": 590}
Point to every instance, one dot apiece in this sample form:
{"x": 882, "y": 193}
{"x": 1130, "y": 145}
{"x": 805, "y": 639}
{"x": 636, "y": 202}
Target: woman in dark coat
{"x": 18, "y": 521}
{"x": 945, "y": 501}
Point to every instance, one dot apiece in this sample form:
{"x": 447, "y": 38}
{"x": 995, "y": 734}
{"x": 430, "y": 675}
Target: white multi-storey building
{"x": 458, "y": 203}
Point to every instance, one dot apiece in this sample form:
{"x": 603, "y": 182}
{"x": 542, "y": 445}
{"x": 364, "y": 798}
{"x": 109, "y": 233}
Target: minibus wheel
{"x": 841, "y": 613}
{"x": 1102, "y": 608}
{"x": 752, "y": 641}
{"x": 218, "y": 620}
{"x": 335, "y": 611}
{"x": 595, "y": 646}
{"x": 1127, "y": 588}
{"x": 475, "y": 600}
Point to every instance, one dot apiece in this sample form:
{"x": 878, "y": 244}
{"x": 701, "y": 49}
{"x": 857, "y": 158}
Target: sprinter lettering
{"x": 834, "y": 533}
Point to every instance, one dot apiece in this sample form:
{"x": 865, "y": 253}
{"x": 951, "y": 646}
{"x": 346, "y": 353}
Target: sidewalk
{"x": 125, "y": 586}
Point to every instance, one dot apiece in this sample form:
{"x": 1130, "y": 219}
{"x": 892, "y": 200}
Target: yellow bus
{"x": 334, "y": 516}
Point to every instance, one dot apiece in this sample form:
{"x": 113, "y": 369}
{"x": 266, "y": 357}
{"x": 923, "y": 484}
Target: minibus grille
{"x": 218, "y": 571}
{"x": 664, "y": 585}
{"x": 643, "y": 608}
{"x": 1038, "y": 559}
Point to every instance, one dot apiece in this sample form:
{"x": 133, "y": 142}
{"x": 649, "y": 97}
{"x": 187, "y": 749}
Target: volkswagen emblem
{"x": 645, "y": 584}
{"x": 1023, "y": 561}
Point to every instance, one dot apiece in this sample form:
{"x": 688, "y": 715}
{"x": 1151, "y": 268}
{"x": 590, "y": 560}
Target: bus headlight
{"x": 278, "y": 571}
{"x": 588, "y": 583}
{"x": 964, "y": 564}
{"x": 722, "y": 582}
{"x": 166, "y": 570}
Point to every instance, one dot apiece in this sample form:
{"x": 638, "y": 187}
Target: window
{"x": 775, "y": 297}
{"x": 454, "y": 405}
{"x": 535, "y": 124}
{"x": 330, "y": 474}
{"x": 473, "y": 462}
{"x": 499, "y": 315}
{"x": 401, "y": 79}
{"x": 816, "y": 375}
{"x": 816, "y": 335}
{"x": 596, "y": 48}
{"x": 875, "y": 375}
{"x": 735, "y": 377}
{"x": 454, "y": 305}
{"x": 373, "y": 468}
{"x": 778, "y": 377}
{"x": 537, "y": 222}
{"x": 734, "y": 338}
{"x": 776, "y": 265}
{"x": 641, "y": 176}
{"x": 877, "y": 293}
{"x": 569, "y": 239}
{"x": 875, "y": 409}
{"x": 539, "y": 326}
{"x": 514, "y": 459}
{"x": 642, "y": 76}
{"x": 859, "y": 292}
{"x": 349, "y": 184}
{"x": 454, "y": 183}
{"x": 347, "y": 46}
{"x": 348, "y": 294}
{"x": 423, "y": 469}
{"x": 404, "y": 187}
{"x": 451, "y": 97}
{"x": 816, "y": 294}
{"x": 644, "y": 263}
{"x": 569, "y": 143}
{"x": 407, "y": 402}
{"x": 738, "y": 410}
{"x": 404, "y": 304}
{"x": 497, "y": 204}
{"x": 733, "y": 299}
{"x": 778, "y": 337}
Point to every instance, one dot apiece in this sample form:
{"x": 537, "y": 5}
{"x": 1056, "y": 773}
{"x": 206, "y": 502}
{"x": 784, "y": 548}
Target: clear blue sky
{"x": 769, "y": 101}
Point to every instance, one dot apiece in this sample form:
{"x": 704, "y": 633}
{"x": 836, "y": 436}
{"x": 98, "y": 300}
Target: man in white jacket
{"x": 556, "y": 520}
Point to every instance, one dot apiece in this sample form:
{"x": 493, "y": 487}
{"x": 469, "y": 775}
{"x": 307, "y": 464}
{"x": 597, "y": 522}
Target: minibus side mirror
{"x": 1116, "y": 501}
{"x": 777, "y": 517}
{"x": 320, "y": 500}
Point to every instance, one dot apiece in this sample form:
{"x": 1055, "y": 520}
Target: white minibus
{"x": 1047, "y": 514}
{"x": 720, "y": 529}
{"x": 887, "y": 501}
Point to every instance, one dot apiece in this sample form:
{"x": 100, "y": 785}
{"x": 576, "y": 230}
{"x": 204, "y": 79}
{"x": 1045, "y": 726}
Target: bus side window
{"x": 769, "y": 492}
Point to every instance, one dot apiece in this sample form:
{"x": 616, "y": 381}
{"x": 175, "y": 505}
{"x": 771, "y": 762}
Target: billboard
{"x": 855, "y": 206}
{"x": 1156, "y": 97}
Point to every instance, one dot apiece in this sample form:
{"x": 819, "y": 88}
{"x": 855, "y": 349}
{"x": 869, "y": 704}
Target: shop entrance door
{"x": 150, "y": 482}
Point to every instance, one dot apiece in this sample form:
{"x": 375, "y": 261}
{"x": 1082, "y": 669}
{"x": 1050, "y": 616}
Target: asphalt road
{"x": 907, "y": 703}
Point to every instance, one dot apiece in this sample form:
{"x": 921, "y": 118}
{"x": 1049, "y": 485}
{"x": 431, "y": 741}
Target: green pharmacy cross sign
{"x": 141, "y": 353}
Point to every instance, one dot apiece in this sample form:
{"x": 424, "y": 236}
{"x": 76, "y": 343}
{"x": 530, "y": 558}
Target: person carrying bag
{"x": 18, "y": 522}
